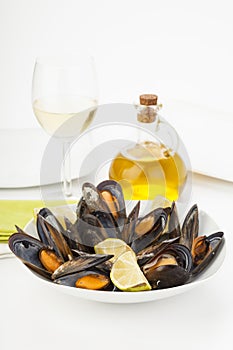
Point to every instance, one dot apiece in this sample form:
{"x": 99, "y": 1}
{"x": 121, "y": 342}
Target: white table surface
{"x": 33, "y": 316}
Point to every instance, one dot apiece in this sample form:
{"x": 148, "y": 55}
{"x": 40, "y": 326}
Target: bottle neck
{"x": 147, "y": 121}
{"x": 147, "y": 114}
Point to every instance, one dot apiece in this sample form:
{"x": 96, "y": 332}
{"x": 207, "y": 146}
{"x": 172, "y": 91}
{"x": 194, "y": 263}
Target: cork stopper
{"x": 148, "y": 100}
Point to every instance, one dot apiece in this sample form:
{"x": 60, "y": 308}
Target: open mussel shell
{"x": 190, "y": 227}
{"x": 43, "y": 234}
{"x": 88, "y": 279}
{"x": 172, "y": 229}
{"x": 96, "y": 203}
{"x": 129, "y": 228}
{"x": 153, "y": 250}
{"x": 216, "y": 242}
{"x": 174, "y": 272}
{"x": 91, "y": 230}
{"x": 76, "y": 234}
{"x": 58, "y": 242}
{"x": 52, "y": 233}
{"x": 93, "y": 198}
{"x": 108, "y": 224}
{"x": 113, "y": 196}
{"x": 148, "y": 229}
{"x": 27, "y": 249}
{"x": 82, "y": 208}
{"x": 80, "y": 263}
{"x": 105, "y": 266}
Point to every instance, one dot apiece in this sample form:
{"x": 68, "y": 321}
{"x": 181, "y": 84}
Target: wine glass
{"x": 64, "y": 100}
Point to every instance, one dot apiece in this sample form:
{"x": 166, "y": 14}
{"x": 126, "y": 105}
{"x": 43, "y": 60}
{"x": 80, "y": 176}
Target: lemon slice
{"x": 126, "y": 274}
{"x": 112, "y": 246}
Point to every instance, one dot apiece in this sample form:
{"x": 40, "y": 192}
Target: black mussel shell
{"x": 27, "y": 249}
{"x": 117, "y": 202}
{"x": 153, "y": 229}
{"x": 89, "y": 231}
{"x": 44, "y": 234}
{"x": 190, "y": 227}
{"x": 108, "y": 223}
{"x": 68, "y": 224}
{"x": 167, "y": 276}
{"x": 180, "y": 252}
{"x": 95, "y": 202}
{"x": 129, "y": 229}
{"x": 59, "y": 243}
{"x": 80, "y": 263}
{"x": 82, "y": 208}
{"x": 93, "y": 198}
{"x": 214, "y": 238}
{"x": 153, "y": 250}
{"x": 104, "y": 266}
{"x": 173, "y": 223}
{"x": 51, "y": 218}
{"x": 216, "y": 243}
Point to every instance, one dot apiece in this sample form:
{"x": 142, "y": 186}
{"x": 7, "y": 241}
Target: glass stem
{"x": 67, "y": 182}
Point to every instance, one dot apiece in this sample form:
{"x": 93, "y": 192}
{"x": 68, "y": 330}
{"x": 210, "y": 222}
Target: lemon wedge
{"x": 126, "y": 274}
{"x": 112, "y": 246}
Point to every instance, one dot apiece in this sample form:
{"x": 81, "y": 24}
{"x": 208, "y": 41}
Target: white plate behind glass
{"x": 207, "y": 226}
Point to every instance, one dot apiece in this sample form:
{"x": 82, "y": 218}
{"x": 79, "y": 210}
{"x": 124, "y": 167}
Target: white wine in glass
{"x": 64, "y": 100}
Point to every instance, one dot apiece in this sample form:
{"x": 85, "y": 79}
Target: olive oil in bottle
{"x": 149, "y": 167}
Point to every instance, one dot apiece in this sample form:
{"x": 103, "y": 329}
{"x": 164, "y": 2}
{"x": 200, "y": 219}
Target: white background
{"x": 178, "y": 49}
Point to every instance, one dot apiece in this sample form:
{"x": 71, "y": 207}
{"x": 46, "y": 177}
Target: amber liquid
{"x": 147, "y": 170}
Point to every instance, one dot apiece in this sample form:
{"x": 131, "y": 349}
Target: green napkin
{"x": 19, "y": 212}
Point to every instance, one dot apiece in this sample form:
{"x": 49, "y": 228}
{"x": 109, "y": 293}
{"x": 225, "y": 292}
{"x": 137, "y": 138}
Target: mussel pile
{"x": 169, "y": 254}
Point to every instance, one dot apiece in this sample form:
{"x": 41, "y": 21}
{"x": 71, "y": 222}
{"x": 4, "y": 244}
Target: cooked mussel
{"x": 88, "y": 279}
{"x": 170, "y": 267}
{"x": 148, "y": 229}
{"x": 203, "y": 248}
{"x": 204, "y": 251}
{"x": 94, "y": 281}
{"x": 49, "y": 259}
{"x": 153, "y": 250}
{"x": 27, "y": 249}
{"x": 59, "y": 244}
{"x": 93, "y": 198}
{"x": 112, "y": 194}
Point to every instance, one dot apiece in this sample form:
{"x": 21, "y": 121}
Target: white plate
{"x": 207, "y": 226}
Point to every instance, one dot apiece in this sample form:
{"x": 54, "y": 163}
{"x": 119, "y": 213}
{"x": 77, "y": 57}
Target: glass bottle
{"x": 151, "y": 166}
